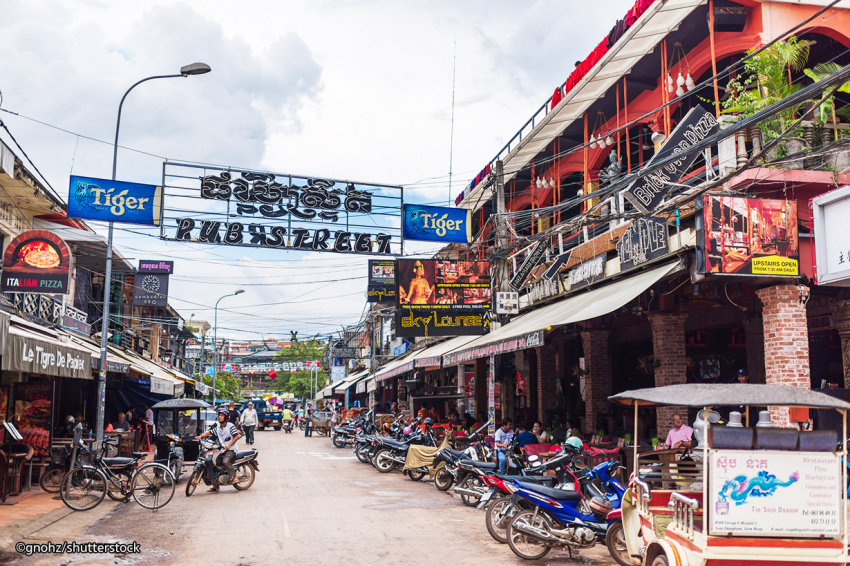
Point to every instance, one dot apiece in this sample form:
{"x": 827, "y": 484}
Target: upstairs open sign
{"x": 280, "y": 211}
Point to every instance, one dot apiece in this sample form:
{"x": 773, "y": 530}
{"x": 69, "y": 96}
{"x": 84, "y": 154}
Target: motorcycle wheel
{"x": 362, "y": 454}
{"x": 498, "y": 528}
{"x": 471, "y": 482}
{"x": 193, "y": 482}
{"x": 615, "y": 540}
{"x": 416, "y": 475}
{"x": 244, "y": 477}
{"x": 443, "y": 480}
{"x": 51, "y": 479}
{"x": 524, "y": 546}
{"x": 339, "y": 441}
{"x": 382, "y": 461}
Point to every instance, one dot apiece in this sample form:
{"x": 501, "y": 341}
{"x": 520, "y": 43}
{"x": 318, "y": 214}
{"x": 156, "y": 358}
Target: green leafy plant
{"x": 826, "y": 113}
{"x": 765, "y": 81}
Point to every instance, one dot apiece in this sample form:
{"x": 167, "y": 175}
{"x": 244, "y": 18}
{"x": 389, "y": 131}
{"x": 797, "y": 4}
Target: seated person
{"x": 454, "y": 420}
{"x": 122, "y": 423}
{"x": 559, "y": 432}
{"x": 525, "y": 437}
{"x": 470, "y": 420}
{"x": 680, "y": 435}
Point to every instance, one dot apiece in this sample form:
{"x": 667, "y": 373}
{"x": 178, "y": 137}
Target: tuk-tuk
{"x": 179, "y": 421}
{"x": 749, "y": 495}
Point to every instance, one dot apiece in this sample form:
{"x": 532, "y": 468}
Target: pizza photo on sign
{"x": 36, "y": 261}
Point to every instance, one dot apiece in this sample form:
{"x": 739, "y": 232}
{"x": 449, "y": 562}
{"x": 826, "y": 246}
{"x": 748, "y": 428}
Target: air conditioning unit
{"x": 507, "y": 302}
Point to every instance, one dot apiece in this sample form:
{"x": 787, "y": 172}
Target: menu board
{"x": 774, "y": 493}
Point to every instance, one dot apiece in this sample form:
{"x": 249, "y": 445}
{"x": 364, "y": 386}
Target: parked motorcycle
{"x": 342, "y": 435}
{"x": 207, "y": 471}
{"x": 470, "y": 473}
{"x": 173, "y": 459}
{"x": 393, "y": 452}
{"x": 448, "y": 473}
{"x": 562, "y": 518}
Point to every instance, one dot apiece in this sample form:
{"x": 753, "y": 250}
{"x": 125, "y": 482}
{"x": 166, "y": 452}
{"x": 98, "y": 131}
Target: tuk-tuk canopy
{"x": 718, "y": 395}
{"x": 180, "y": 404}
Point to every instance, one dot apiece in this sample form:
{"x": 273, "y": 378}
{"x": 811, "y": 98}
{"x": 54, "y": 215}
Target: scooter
{"x": 288, "y": 426}
{"x": 205, "y": 469}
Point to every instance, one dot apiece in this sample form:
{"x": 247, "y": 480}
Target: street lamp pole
{"x": 193, "y": 69}
{"x": 215, "y": 339}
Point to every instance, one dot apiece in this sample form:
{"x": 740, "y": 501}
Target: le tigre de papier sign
{"x": 280, "y": 211}
{"x": 114, "y": 201}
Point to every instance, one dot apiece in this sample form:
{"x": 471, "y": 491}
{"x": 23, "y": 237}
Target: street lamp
{"x": 185, "y": 71}
{"x": 215, "y": 338}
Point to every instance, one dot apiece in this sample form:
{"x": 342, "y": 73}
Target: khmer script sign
{"x": 280, "y": 211}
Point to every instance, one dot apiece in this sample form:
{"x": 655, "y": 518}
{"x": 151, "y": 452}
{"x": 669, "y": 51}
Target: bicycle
{"x": 151, "y": 485}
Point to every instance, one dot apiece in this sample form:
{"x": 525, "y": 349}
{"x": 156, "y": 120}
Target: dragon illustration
{"x": 764, "y": 484}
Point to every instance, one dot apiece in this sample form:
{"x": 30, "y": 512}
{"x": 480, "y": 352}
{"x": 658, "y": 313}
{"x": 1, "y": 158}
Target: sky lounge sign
{"x": 651, "y": 188}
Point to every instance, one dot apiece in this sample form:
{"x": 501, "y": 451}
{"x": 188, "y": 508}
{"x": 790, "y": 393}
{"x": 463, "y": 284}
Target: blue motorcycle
{"x": 571, "y": 518}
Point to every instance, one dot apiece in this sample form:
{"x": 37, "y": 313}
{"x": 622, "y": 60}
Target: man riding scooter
{"x": 287, "y": 419}
{"x": 227, "y": 436}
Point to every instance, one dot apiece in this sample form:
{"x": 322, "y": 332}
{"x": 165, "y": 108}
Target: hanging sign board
{"x": 36, "y": 261}
{"x": 442, "y": 298}
{"x": 747, "y": 236}
{"x": 645, "y": 239}
{"x": 437, "y": 224}
{"x": 280, "y": 211}
{"x": 381, "y": 287}
{"x": 587, "y": 272}
{"x": 649, "y": 189}
{"x": 46, "y": 358}
{"x": 830, "y": 212}
{"x": 114, "y": 201}
{"x": 532, "y": 260}
{"x": 151, "y": 289}
{"x": 775, "y": 493}
{"x": 156, "y": 266}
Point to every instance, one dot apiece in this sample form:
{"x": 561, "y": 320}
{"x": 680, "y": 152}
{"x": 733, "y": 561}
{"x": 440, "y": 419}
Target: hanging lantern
{"x": 609, "y": 140}
{"x": 689, "y": 82}
{"x": 669, "y": 82}
{"x": 592, "y": 142}
{"x": 680, "y": 91}
{"x": 680, "y": 81}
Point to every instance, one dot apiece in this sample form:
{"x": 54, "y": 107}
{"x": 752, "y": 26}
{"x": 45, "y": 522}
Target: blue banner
{"x": 114, "y": 201}
{"x": 437, "y": 223}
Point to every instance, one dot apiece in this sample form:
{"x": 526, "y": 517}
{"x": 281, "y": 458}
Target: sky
{"x": 342, "y": 89}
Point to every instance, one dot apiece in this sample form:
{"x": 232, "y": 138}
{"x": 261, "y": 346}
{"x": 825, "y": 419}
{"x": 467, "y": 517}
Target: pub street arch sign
{"x": 240, "y": 207}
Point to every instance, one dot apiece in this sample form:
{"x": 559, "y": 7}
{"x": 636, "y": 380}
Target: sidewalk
{"x": 34, "y": 510}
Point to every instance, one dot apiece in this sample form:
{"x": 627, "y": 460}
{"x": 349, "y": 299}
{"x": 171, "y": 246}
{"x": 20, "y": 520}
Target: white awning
{"x": 351, "y": 380}
{"x": 325, "y": 393}
{"x": 640, "y": 39}
{"x": 433, "y": 355}
{"x": 527, "y": 330}
{"x": 161, "y": 381}
{"x": 371, "y": 384}
{"x": 362, "y": 384}
{"x": 396, "y": 367}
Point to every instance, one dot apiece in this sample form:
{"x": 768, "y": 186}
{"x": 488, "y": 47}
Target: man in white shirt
{"x": 249, "y": 422}
{"x": 503, "y": 438}
{"x": 227, "y": 436}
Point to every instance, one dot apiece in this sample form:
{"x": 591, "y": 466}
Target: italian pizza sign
{"x": 774, "y": 493}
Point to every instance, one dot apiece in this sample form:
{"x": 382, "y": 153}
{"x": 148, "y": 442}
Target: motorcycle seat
{"x": 390, "y": 443}
{"x": 118, "y": 461}
{"x": 139, "y": 454}
{"x": 479, "y": 464}
{"x": 557, "y": 494}
{"x": 536, "y": 479}
{"x": 455, "y": 453}
{"x": 245, "y": 453}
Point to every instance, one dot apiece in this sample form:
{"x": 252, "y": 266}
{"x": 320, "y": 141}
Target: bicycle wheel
{"x": 83, "y": 488}
{"x": 51, "y": 479}
{"x": 153, "y": 486}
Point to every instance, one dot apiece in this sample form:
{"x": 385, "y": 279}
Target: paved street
{"x": 311, "y": 504}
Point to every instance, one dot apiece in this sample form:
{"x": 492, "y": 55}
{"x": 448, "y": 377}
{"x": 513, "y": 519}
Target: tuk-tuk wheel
{"x": 660, "y": 560}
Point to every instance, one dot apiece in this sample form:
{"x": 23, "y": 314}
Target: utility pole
{"x": 500, "y": 271}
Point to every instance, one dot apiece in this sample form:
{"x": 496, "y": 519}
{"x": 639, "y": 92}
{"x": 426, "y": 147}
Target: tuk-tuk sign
{"x": 775, "y": 493}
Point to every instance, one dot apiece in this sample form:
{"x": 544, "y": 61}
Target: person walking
{"x": 249, "y": 422}
{"x": 235, "y": 417}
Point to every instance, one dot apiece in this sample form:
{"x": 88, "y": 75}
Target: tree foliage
{"x": 228, "y": 386}
{"x": 298, "y": 383}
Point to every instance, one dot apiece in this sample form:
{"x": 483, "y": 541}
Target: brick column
{"x": 668, "y": 345}
{"x": 546, "y": 375}
{"x": 597, "y": 381}
{"x": 840, "y": 319}
{"x": 786, "y": 341}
